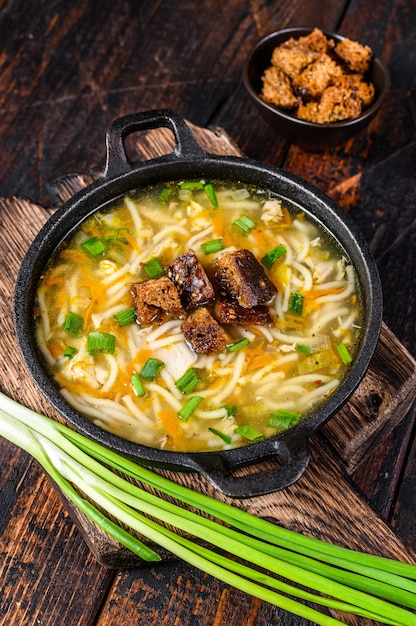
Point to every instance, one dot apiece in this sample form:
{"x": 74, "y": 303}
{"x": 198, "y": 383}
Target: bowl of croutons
{"x": 315, "y": 88}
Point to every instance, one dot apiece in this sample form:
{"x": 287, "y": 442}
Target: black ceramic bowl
{"x": 186, "y": 161}
{"x": 308, "y": 135}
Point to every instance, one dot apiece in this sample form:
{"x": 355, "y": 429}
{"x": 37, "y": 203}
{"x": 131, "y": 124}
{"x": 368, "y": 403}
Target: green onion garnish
{"x": 272, "y": 256}
{"x": 282, "y": 419}
{"x": 231, "y": 410}
{"x": 215, "y": 245}
{"x": 98, "y": 341}
{"x": 304, "y": 349}
{"x": 248, "y": 432}
{"x": 220, "y": 434}
{"x": 125, "y": 317}
{"x": 210, "y": 191}
{"x": 137, "y": 385}
{"x": 70, "y": 352}
{"x": 165, "y": 194}
{"x": 153, "y": 268}
{"x": 290, "y": 570}
{"x": 189, "y": 407}
{"x": 296, "y": 303}
{"x": 94, "y": 246}
{"x": 237, "y": 345}
{"x": 73, "y": 324}
{"x": 188, "y": 381}
{"x": 344, "y": 354}
{"x": 191, "y": 185}
{"x": 151, "y": 369}
{"x": 244, "y": 224}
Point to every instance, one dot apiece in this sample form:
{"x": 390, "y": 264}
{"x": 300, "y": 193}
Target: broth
{"x": 144, "y": 371}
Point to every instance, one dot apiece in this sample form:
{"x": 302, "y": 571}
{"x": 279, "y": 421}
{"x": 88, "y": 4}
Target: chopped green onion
{"x": 73, "y": 324}
{"x": 231, "y": 410}
{"x": 153, "y": 268}
{"x": 165, "y": 194}
{"x": 125, "y": 317}
{"x": 215, "y": 245}
{"x": 189, "y": 407}
{"x": 237, "y": 345}
{"x": 221, "y": 435}
{"x": 94, "y": 246}
{"x": 244, "y": 224}
{"x": 344, "y": 354}
{"x": 188, "y": 381}
{"x": 296, "y": 303}
{"x": 70, "y": 352}
{"x": 248, "y": 432}
{"x": 98, "y": 341}
{"x": 282, "y": 419}
{"x": 151, "y": 369}
{"x": 272, "y": 256}
{"x": 191, "y": 185}
{"x": 210, "y": 191}
{"x": 304, "y": 349}
{"x": 272, "y": 563}
{"x": 137, "y": 385}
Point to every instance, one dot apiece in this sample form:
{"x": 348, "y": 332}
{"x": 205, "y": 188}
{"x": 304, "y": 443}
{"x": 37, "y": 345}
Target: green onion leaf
{"x": 304, "y": 349}
{"x": 101, "y": 342}
{"x": 153, "y": 268}
{"x": 94, "y": 247}
{"x": 189, "y": 407}
{"x": 237, "y": 345}
{"x": 221, "y": 435}
{"x": 215, "y": 245}
{"x": 137, "y": 385}
{"x": 231, "y": 410}
{"x": 73, "y": 324}
{"x": 70, "y": 352}
{"x": 248, "y": 432}
{"x": 191, "y": 185}
{"x": 210, "y": 191}
{"x": 125, "y": 317}
{"x": 165, "y": 194}
{"x": 344, "y": 354}
{"x": 188, "y": 381}
{"x": 151, "y": 369}
{"x": 244, "y": 224}
{"x": 296, "y": 303}
{"x": 272, "y": 256}
{"x": 283, "y": 419}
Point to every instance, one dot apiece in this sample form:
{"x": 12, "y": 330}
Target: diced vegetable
{"x": 244, "y": 224}
{"x": 304, "y": 349}
{"x": 94, "y": 247}
{"x": 191, "y": 185}
{"x": 237, "y": 345}
{"x": 73, "y": 324}
{"x": 231, "y": 410}
{"x": 210, "y": 191}
{"x": 188, "y": 381}
{"x": 272, "y": 256}
{"x": 70, "y": 352}
{"x": 151, "y": 369}
{"x": 248, "y": 432}
{"x": 101, "y": 342}
{"x": 123, "y": 318}
{"x": 283, "y": 419}
{"x": 189, "y": 407}
{"x": 296, "y": 301}
{"x": 344, "y": 353}
{"x": 215, "y": 245}
{"x": 220, "y": 434}
{"x": 137, "y": 385}
{"x": 153, "y": 268}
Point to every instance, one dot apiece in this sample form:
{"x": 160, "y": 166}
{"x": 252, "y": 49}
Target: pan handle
{"x": 293, "y": 456}
{"x": 117, "y": 160}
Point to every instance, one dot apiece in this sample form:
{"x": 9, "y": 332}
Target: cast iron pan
{"x": 190, "y": 160}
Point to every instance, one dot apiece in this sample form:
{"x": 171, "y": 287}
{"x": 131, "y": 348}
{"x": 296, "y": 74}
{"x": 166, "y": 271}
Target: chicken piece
{"x": 277, "y": 89}
{"x": 204, "y": 333}
{"x": 156, "y": 301}
{"x": 228, "y": 311}
{"x": 240, "y": 276}
{"x": 316, "y": 77}
{"x": 357, "y": 56}
{"x": 190, "y": 279}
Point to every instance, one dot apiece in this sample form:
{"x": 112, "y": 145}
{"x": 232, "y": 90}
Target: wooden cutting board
{"x": 323, "y": 503}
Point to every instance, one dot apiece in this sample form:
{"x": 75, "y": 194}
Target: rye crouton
{"x": 230, "y": 312}
{"x": 190, "y": 279}
{"x": 277, "y": 89}
{"x": 355, "y": 55}
{"x": 204, "y": 333}
{"x": 240, "y": 276}
{"x": 156, "y": 301}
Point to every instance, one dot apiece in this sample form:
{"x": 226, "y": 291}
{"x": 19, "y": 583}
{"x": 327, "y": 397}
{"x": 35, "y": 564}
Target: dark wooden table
{"x": 66, "y": 71}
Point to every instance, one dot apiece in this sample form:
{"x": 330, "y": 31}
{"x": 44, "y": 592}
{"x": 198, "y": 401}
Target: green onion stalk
{"x": 303, "y": 575}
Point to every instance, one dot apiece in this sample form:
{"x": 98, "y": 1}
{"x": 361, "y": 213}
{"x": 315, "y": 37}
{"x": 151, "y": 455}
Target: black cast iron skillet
{"x": 190, "y": 160}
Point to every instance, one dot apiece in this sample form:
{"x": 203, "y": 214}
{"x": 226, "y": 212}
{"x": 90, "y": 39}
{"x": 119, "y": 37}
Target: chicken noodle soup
{"x": 198, "y": 316}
